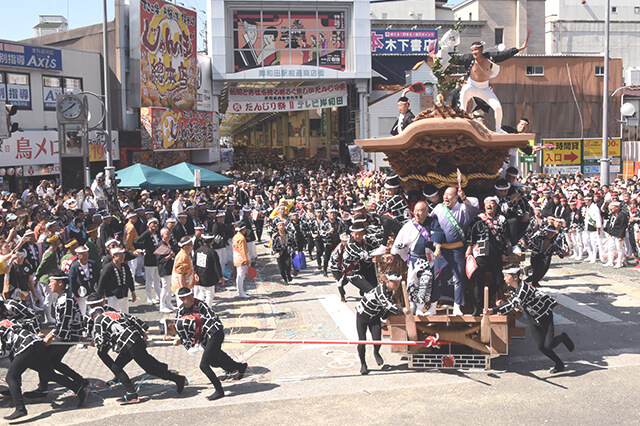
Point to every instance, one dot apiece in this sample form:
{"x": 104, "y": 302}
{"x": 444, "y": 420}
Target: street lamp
{"x": 627, "y": 109}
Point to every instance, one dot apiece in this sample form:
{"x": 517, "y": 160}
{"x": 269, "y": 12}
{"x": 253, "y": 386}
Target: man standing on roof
{"x": 482, "y": 66}
{"x": 405, "y": 116}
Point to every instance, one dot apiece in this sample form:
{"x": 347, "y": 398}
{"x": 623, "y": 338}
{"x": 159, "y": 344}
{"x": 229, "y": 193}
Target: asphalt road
{"x": 309, "y": 384}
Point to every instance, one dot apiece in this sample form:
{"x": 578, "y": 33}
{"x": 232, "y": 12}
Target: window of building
{"x": 470, "y": 16}
{"x": 599, "y": 70}
{"x": 614, "y": 9}
{"x": 419, "y": 15}
{"x": 51, "y": 88}
{"x": 636, "y": 10}
{"x": 499, "y": 36}
{"x": 384, "y": 15}
{"x": 3, "y": 88}
{"x": 535, "y": 70}
{"x": 18, "y": 90}
{"x": 72, "y": 85}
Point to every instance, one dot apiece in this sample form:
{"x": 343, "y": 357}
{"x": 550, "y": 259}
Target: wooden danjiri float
{"x": 440, "y": 141}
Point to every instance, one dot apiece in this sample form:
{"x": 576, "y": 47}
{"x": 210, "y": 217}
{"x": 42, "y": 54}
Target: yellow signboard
{"x": 566, "y": 152}
{"x": 593, "y": 148}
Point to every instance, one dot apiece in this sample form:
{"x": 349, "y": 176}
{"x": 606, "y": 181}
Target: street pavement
{"x": 309, "y": 384}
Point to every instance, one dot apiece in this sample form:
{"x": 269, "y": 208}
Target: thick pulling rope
{"x": 450, "y": 180}
{"x": 431, "y": 341}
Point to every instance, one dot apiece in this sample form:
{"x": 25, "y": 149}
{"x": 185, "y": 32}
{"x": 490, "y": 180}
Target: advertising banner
{"x": 278, "y": 99}
{"x": 593, "y": 148}
{"x": 402, "y": 42}
{"x": 267, "y": 38}
{"x": 41, "y": 147}
{"x": 168, "y": 55}
{"x": 205, "y": 101}
{"x": 567, "y": 152}
{"x": 164, "y": 128}
{"x": 25, "y": 56}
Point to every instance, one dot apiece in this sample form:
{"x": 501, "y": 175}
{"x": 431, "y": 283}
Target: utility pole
{"x": 107, "y": 92}
{"x": 604, "y": 161}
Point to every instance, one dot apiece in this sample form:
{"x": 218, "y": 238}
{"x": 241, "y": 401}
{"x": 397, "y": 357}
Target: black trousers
{"x": 56, "y": 353}
{"x": 486, "y": 265}
{"x": 328, "y": 249}
{"x": 375, "y": 328}
{"x": 542, "y": 333}
{"x": 214, "y": 356}
{"x": 319, "y": 250}
{"x": 36, "y": 358}
{"x": 259, "y": 227}
{"x": 540, "y": 265}
{"x": 310, "y": 244}
{"x": 285, "y": 265}
{"x": 389, "y": 226}
{"x": 138, "y": 353}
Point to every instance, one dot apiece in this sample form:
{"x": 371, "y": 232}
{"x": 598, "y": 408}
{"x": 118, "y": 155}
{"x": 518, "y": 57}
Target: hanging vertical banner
{"x": 168, "y": 55}
{"x": 163, "y": 128}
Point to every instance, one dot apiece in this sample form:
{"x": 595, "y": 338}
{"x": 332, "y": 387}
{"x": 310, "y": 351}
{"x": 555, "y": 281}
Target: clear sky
{"x": 17, "y": 17}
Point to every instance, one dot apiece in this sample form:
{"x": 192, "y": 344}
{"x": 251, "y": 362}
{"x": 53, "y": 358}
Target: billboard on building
{"x": 276, "y": 99}
{"x": 402, "y": 42}
{"x": 269, "y": 38}
{"x": 168, "y": 55}
{"x": 25, "y": 56}
{"x": 164, "y": 128}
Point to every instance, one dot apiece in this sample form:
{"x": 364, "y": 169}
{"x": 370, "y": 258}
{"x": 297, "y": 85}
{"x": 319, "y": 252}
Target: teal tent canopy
{"x": 145, "y": 177}
{"x": 186, "y": 172}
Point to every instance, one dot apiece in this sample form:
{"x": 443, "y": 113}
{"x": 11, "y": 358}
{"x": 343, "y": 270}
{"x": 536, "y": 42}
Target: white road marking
{"x": 344, "y": 318}
{"x": 582, "y": 308}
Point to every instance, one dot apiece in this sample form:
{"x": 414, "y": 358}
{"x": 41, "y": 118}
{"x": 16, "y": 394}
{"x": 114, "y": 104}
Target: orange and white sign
{"x": 168, "y": 55}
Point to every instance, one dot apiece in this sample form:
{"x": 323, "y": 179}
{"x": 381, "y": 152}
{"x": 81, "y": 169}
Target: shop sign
{"x": 168, "y": 55}
{"x": 405, "y": 42}
{"x": 25, "y": 56}
{"x": 164, "y": 128}
{"x": 252, "y": 100}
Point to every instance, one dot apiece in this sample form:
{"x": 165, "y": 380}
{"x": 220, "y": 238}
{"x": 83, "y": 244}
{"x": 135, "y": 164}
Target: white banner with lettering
{"x": 276, "y": 99}
{"x": 41, "y": 147}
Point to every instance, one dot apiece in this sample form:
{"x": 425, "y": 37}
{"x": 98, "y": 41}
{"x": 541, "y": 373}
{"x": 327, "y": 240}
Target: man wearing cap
{"x": 83, "y": 277}
{"x": 125, "y": 335}
{"x": 593, "y": 221}
{"x": 453, "y": 217}
{"x": 375, "y": 306}
{"x": 149, "y": 241}
{"x": 405, "y": 116}
{"x": 165, "y": 256}
{"x": 180, "y": 230}
{"x": 116, "y": 281}
{"x": 50, "y": 262}
{"x": 330, "y": 230}
{"x": 539, "y": 313}
{"x": 220, "y": 232}
{"x": 208, "y": 271}
{"x": 482, "y": 66}
{"x": 94, "y": 253}
{"x": 183, "y": 274}
{"x": 419, "y": 244}
{"x": 357, "y": 259}
{"x": 197, "y": 325}
{"x": 431, "y": 195}
{"x": 337, "y": 266}
{"x": 197, "y": 236}
{"x": 99, "y": 190}
{"x": 394, "y": 211}
{"x": 488, "y": 241}
{"x": 191, "y": 220}
{"x": 105, "y": 232}
{"x": 129, "y": 236}
{"x": 70, "y": 256}
{"x": 241, "y": 258}
{"x": 544, "y": 243}
{"x": 68, "y": 329}
{"x": 615, "y": 230}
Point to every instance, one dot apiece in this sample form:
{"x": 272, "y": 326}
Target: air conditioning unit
{"x": 633, "y": 76}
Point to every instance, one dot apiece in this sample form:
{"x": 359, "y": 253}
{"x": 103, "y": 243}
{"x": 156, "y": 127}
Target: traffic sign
{"x": 527, "y": 158}
{"x": 566, "y": 152}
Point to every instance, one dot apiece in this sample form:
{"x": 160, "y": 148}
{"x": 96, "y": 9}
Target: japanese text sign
{"x": 164, "y": 128}
{"x": 276, "y": 99}
{"x": 567, "y": 152}
{"x": 168, "y": 55}
{"x": 25, "y": 56}
{"x": 395, "y": 42}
